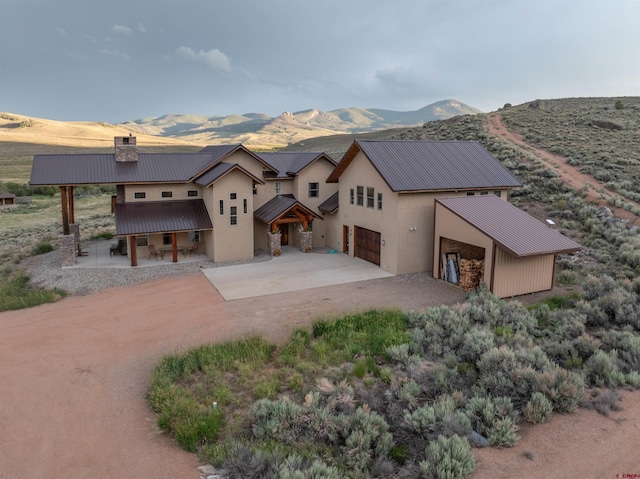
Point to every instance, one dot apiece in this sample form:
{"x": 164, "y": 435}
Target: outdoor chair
{"x": 192, "y": 248}
{"x": 155, "y": 253}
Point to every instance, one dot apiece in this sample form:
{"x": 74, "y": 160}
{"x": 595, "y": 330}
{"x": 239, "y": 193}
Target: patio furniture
{"x": 113, "y": 249}
{"x": 122, "y": 247}
{"x": 155, "y": 253}
{"x": 192, "y": 248}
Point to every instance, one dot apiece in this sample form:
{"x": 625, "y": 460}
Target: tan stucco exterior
{"x": 153, "y": 192}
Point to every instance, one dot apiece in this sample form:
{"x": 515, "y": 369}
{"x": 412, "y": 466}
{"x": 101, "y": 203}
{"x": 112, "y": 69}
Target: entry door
{"x": 368, "y": 245}
{"x": 345, "y": 239}
{"x": 284, "y": 230}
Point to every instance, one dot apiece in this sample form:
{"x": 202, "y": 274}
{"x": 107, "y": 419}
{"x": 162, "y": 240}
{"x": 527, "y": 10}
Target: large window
{"x": 360, "y": 190}
{"x": 278, "y": 187}
{"x": 351, "y": 196}
{"x": 369, "y": 197}
{"x": 314, "y": 190}
{"x": 166, "y": 238}
{"x": 233, "y": 217}
{"x": 379, "y": 201}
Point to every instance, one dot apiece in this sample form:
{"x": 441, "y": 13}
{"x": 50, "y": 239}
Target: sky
{"x": 115, "y": 60}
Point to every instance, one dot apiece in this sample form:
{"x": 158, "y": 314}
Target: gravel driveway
{"x": 75, "y": 373}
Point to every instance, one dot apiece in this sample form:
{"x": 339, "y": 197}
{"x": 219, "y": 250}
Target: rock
{"x": 207, "y": 469}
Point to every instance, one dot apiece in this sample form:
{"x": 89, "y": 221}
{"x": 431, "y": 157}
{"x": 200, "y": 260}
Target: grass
{"x": 15, "y": 292}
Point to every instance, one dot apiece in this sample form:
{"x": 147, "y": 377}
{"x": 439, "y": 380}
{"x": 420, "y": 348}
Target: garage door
{"x": 368, "y": 245}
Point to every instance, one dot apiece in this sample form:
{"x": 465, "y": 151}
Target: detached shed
{"x": 485, "y": 239}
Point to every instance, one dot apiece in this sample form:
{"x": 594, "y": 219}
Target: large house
{"x": 380, "y": 202}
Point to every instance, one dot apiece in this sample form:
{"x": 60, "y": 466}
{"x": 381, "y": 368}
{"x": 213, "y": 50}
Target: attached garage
{"x": 486, "y": 238}
{"x": 367, "y": 245}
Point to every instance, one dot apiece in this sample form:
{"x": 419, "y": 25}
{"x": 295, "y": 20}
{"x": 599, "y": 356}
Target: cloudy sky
{"x": 113, "y": 60}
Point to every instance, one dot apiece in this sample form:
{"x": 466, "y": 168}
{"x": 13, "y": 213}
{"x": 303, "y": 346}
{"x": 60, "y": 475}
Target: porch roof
{"x": 280, "y": 205}
{"x": 330, "y": 205}
{"x": 161, "y": 217}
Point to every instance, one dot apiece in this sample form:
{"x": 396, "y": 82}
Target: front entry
{"x": 368, "y": 245}
{"x": 284, "y": 230}
{"x": 345, "y": 239}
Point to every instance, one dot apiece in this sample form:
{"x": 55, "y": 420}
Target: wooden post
{"x": 72, "y": 214}
{"x": 174, "y": 247}
{"x": 65, "y": 210}
{"x": 133, "y": 250}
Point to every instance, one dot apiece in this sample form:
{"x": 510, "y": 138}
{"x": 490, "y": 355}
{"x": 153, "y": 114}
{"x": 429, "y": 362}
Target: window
{"x": 245, "y": 206}
{"x": 167, "y": 194}
{"x": 314, "y": 190}
{"x": 255, "y": 189}
{"x": 351, "y": 196}
{"x": 379, "y": 201}
{"x": 369, "y": 197}
{"x": 232, "y": 196}
{"x": 278, "y": 187}
{"x": 142, "y": 240}
{"x": 471, "y": 193}
{"x": 484, "y": 193}
{"x": 233, "y": 218}
{"x": 192, "y": 193}
{"x": 194, "y": 236}
{"x": 139, "y": 195}
{"x": 360, "y": 195}
{"x": 498, "y": 193}
{"x": 166, "y": 238}
{"x": 221, "y": 207}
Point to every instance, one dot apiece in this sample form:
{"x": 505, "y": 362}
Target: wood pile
{"x": 471, "y": 273}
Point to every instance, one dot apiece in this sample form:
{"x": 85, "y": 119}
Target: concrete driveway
{"x": 292, "y": 271}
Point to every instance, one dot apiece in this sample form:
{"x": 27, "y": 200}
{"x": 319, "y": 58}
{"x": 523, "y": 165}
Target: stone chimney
{"x": 126, "y": 149}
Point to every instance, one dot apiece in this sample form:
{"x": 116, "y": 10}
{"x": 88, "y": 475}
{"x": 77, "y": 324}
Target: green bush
{"x": 448, "y": 458}
{"x": 495, "y": 419}
{"x": 41, "y": 248}
{"x": 538, "y": 409}
{"x": 601, "y": 370}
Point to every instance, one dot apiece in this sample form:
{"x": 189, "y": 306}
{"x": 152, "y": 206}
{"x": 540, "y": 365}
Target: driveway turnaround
{"x": 293, "y": 271}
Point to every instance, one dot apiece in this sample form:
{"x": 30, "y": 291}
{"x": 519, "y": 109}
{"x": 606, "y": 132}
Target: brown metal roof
{"x": 430, "y": 165}
{"x": 278, "y": 206}
{"x": 221, "y": 169}
{"x": 514, "y": 230}
{"x": 330, "y": 205}
{"x": 7, "y": 195}
{"x": 103, "y": 169}
{"x": 291, "y": 163}
{"x": 161, "y": 217}
{"x": 218, "y": 149}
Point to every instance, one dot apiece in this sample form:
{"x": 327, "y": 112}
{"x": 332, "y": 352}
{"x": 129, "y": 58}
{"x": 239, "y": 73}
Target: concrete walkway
{"x": 292, "y": 271}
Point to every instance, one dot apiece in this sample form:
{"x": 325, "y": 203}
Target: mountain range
{"x": 258, "y": 130}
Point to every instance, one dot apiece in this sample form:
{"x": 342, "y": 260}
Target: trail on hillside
{"x": 571, "y": 175}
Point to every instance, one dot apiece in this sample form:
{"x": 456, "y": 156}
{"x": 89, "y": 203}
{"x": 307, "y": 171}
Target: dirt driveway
{"x": 74, "y": 374}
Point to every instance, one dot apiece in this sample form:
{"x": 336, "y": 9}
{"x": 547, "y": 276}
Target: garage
{"x": 367, "y": 245}
{"x": 484, "y": 239}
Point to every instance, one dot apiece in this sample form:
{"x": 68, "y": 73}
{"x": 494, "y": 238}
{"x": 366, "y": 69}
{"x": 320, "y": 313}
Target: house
{"x": 209, "y": 198}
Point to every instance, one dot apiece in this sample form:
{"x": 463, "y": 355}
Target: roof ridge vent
{"x": 126, "y": 149}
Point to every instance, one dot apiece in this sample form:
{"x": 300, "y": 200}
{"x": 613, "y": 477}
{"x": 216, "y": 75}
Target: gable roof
{"x": 408, "y": 166}
{"x": 161, "y": 217}
{"x": 278, "y": 206}
{"x": 218, "y": 148}
{"x": 289, "y": 164}
{"x": 514, "y": 230}
{"x": 330, "y": 205}
{"x": 220, "y": 170}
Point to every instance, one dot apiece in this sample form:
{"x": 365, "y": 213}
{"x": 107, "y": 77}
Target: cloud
{"x": 61, "y": 31}
{"x": 116, "y": 54}
{"x": 91, "y": 38}
{"x": 214, "y": 58}
{"x": 121, "y": 30}
{"x": 141, "y": 28}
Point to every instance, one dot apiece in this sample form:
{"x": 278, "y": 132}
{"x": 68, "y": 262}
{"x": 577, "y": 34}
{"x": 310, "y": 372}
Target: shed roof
{"x": 514, "y": 230}
{"x": 161, "y": 217}
{"x": 330, "y": 205}
{"x": 278, "y": 206}
{"x": 408, "y": 166}
{"x": 7, "y": 195}
{"x": 289, "y": 164}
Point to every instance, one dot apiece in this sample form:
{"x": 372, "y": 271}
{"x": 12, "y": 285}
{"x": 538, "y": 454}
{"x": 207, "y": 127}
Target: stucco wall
{"x": 154, "y": 192}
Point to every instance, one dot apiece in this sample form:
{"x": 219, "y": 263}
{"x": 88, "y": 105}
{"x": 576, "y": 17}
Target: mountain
{"x": 258, "y": 130}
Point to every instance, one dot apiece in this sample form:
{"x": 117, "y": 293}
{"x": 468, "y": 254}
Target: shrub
{"x": 619, "y": 105}
{"x": 564, "y": 389}
{"x": 495, "y": 419}
{"x": 41, "y": 248}
{"x": 606, "y": 402}
{"x": 538, "y": 409}
{"x": 601, "y": 370}
{"x": 448, "y": 458}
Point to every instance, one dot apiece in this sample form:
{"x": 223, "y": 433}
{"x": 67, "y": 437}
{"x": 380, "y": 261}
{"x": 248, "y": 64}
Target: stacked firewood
{"x": 471, "y": 273}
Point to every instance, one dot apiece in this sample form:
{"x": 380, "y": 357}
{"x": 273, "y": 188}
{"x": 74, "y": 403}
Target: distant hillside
{"x": 262, "y": 131}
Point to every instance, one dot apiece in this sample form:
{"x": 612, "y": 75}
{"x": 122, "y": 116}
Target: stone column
{"x": 275, "y": 243}
{"x": 306, "y": 242}
{"x": 67, "y": 249}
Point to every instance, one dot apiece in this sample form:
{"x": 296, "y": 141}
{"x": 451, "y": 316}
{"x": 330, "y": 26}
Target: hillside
{"x": 261, "y": 131}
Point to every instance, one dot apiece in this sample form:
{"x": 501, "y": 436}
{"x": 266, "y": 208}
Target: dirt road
{"x": 74, "y": 374}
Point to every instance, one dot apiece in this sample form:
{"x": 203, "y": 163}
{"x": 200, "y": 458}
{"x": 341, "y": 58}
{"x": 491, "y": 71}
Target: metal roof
{"x": 291, "y": 163}
{"x": 221, "y": 169}
{"x": 430, "y": 165}
{"x": 161, "y": 217}
{"x": 95, "y": 169}
{"x": 277, "y": 207}
{"x": 514, "y": 230}
{"x": 330, "y": 205}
